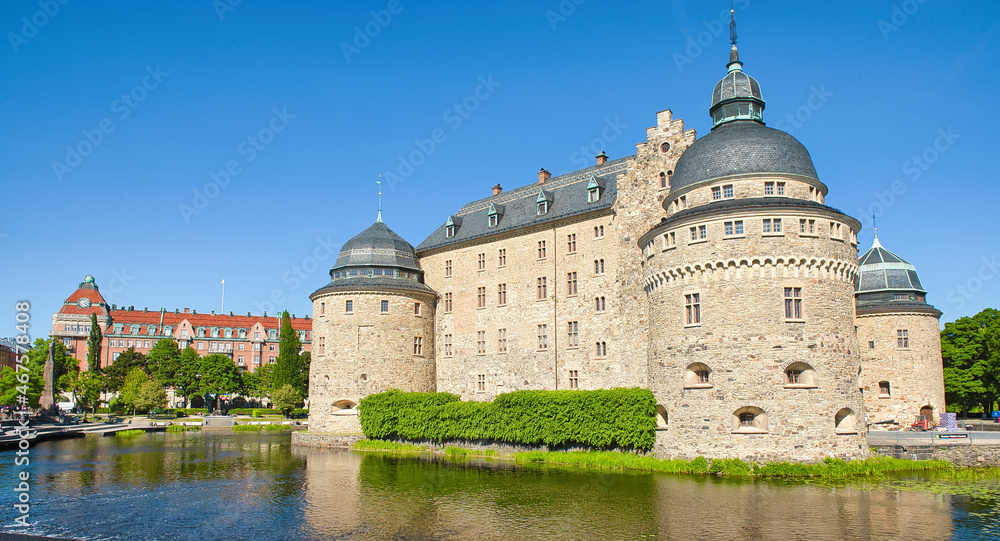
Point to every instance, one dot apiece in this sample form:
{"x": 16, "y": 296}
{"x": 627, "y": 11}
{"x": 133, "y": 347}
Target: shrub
{"x": 182, "y": 428}
{"x": 601, "y": 419}
{"x": 730, "y": 466}
{"x": 261, "y": 412}
{"x": 387, "y": 446}
{"x": 278, "y": 427}
{"x": 247, "y": 428}
{"x": 129, "y": 433}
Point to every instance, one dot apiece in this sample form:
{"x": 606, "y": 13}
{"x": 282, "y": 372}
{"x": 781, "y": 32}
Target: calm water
{"x": 256, "y": 486}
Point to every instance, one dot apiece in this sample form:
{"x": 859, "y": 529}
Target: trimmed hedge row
{"x": 600, "y": 419}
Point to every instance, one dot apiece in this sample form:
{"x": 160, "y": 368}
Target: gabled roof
{"x": 567, "y": 195}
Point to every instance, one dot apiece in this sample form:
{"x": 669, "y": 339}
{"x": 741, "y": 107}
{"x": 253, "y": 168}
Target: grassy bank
{"x": 730, "y": 467}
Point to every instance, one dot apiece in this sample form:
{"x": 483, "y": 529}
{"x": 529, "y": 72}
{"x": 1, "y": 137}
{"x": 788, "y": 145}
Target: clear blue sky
{"x": 348, "y": 107}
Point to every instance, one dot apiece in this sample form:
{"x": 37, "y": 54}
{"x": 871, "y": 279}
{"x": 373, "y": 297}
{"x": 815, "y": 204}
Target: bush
{"x": 129, "y": 433}
{"x": 279, "y": 427}
{"x": 262, "y": 412}
{"x": 600, "y": 419}
{"x": 182, "y": 428}
{"x": 184, "y": 412}
{"x": 246, "y": 428}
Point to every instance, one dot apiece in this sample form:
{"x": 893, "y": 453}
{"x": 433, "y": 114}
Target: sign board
{"x": 949, "y": 421}
{"x": 996, "y": 414}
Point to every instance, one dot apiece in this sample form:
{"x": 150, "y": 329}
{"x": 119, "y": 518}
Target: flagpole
{"x": 223, "y": 311}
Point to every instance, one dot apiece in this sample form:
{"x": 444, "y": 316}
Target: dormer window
{"x": 451, "y": 226}
{"x": 543, "y": 202}
{"x": 595, "y": 189}
{"x": 494, "y": 214}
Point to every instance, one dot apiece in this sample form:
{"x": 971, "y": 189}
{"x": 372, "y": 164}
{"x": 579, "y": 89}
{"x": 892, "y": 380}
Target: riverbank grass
{"x": 389, "y": 447}
{"x": 129, "y": 433}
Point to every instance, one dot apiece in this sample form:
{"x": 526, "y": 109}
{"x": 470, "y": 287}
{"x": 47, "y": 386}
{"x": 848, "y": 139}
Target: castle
{"x": 708, "y": 270}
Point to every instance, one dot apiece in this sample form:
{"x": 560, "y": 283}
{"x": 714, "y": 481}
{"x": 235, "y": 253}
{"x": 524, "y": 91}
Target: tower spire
{"x": 734, "y": 55}
{"x": 379, "y": 182}
{"x": 875, "y": 243}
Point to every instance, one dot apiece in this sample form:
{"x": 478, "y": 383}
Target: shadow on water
{"x": 256, "y": 486}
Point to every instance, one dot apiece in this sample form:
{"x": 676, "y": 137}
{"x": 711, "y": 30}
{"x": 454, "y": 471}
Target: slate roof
{"x": 567, "y": 193}
{"x": 742, "y": 147}
{"x": 377, "y": 246}
{"x": 736, "y": 84}
{"x": 883, "y": 270}
{"x": 369, "y": 283}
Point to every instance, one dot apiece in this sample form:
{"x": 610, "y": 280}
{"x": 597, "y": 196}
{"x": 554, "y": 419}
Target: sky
{"x": 163, "y": 147}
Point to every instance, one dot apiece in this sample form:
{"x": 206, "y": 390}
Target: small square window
{"x": 385, "y": 307}
{"x": 348, "y": 306}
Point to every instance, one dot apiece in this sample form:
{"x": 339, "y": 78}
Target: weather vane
{"x": 732, "y": 23}
{"x": 379, "y": 182}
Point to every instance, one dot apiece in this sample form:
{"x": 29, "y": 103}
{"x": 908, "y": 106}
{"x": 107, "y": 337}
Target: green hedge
{"x": 601, "y": 419}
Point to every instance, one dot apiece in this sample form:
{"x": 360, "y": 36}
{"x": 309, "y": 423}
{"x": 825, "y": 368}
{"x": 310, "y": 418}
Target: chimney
{"x": 543, "y": 175}
{"x": 602, "y": 158}
{"x": 187, "y": 310}
{"x": 497, "y": 189}
{"x": 213, "y": 312}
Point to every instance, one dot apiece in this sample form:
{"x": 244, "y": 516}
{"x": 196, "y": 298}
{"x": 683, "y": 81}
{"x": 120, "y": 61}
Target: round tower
{"x": 901, "y": 369}
{"x": 750, "y": 280}
{"x": 373, "y": 328}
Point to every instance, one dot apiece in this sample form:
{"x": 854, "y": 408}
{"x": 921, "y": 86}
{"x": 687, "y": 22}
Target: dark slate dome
{"x": 742, "y": 147}
{"x": 882, "y": 270}
{"x": 377, "y": 246}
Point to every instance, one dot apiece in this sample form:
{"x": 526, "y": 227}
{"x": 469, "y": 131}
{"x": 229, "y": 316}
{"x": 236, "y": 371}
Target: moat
{"x": 257, "y": 486}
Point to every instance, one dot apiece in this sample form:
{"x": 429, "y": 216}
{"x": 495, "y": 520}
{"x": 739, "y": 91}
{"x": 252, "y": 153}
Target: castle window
{"x": 447, "y": 302}
{"x": 502, "y": 341}
{"x": 601, "y": 349}
{"x": 593, "y": 195}
{"x": 494, "y": 220}
{"x": 598, "y": 266}
{"x": 800, "y": 375}
{"x": 599, "y": 305}
{"x": 416, "y": 308}
{"x": 845, "y": 422}
{"x": 480, "y": 297}
{"x": 716, "y": 192}
{"x": 661, "y": 417}
{"x": 883, "y": 389}
{"x": 449, "y": 231}
{"x": 385, "y": 307}
{"x": 447, "y": 345}
{"x": 663, "y": 180}
{"x": 697, "y": 376}
{"x": 543, "y": 208}
{"x": 348, "y": 307}
{"x": 481, "y": 261}
{"x": 573, "y": 334}
{"x": 322, "y": 310}
{"x": 793, "y": 303}
{"x": 900, "y": 297}
{"x": 571, "y": 283}
{"x": 771, "y": 225}
{"x": 480, "y": 342}
{"x": 447, "y": 268}
{"x": 541, "y": 249}
{"x": 502, "y": 258}
{"x": 835, "y": 231}
{"x": 501, "y": 294}
{"x": 481, "y": 383}
{"x": 322, "y": 344}
{"x": 734, "y": 228}
{"x": 781, "y": 188}
{"x": 749, "y": 420}
{"x": 768, "y": 188}
{"x": 727, "y": 191}
{"x": 542, "y": 289}
{"x": 571, "y": 243}
{"x": 871, "y": 344}
{"x": 902, "y": 339}
{"x": 543, "y": 337}
{"x": 598, "y": 231}
{"x": 574, "y": 379}
{"x": 692, "y": 309}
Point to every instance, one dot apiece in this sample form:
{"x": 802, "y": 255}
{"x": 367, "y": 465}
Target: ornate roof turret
{"x": 737, "y": 96}
{"x": 888, "y": 281}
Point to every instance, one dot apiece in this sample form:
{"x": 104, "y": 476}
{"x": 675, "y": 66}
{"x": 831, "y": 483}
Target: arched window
{"x": 749, "y": 420}
{"x": 846, "y": 422}
{"x": 663, "y": 180}
{"x": 697, "y": 376}
{"x": 661, "y": 417}
{"x": 927, "y": 412}
{"x": 345, "y": 407}
{"x": 799, "y": 375}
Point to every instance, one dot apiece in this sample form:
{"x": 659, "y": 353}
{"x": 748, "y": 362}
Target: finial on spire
{"x": 379, "y": 182}
{"x": 734, "y": 55}
{"x": 875, "y": 243}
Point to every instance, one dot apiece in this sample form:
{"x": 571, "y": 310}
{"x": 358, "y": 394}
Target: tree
{"x": 218, "y": 376}
{"x": 185, "y": 377}
{"x": 163, "y": 360}
{"x": 9, "y": 383}
{"x": 122, "y": 366}
{"x": 130, "y": 387}
{"x": 286, "y": 398}
{"x": 63, "y": 364}
{"x": 257, "y": 384}
{"x": 970, "y": 350}
{"x": 290, "y": 366}
{"x": 86, "y": 387}
{"x": 94, "y": 345}
{"x": 150, "y": 396}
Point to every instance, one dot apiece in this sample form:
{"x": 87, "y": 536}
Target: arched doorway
{"x": 927, "y": 412}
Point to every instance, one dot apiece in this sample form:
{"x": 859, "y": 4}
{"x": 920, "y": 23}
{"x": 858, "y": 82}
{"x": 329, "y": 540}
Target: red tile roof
{"x": 141, "y": 317}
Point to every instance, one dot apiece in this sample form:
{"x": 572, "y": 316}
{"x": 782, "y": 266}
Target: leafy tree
{"x": 290, "y": 368}
{"x": 86, "y": 387}
{"x": 9, "y": 383}
{"x": 970, "y": 350}
{"x": 129, "y": 360}
{"x": 257, "y": 384}
{"x": 130, "y": 388}
{"x": 63, "y": 364}
{"x": 219, "y": 375}
{"x": 150, "y": 395}
{"x": 286, "y": 398}
{"x": 94, "y": 345}
{"x": 163, "y": 360}
{"x": 185, "y": 376}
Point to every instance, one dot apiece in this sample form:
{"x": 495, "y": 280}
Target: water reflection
{"x": 256, "y": 486}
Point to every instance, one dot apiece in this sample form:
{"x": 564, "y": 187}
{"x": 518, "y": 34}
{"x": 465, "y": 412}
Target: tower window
{"x": 543, "y": 337}
{"x": 541, "y": 249}
{"x": 481, "y": 383}
{"x": 542, "y": 289}
{"x": 574, "y": 379}
{"x": 571, "y": 243}
{"x": 793, "y": 303}
{"x": 573, "y": 334}
{"x": 385, "y": 307}
{"x": 902, "y": 339}
{"x": 501, "y": 294}
{"x": 571, "y": 283}
{"x": 482, "y": 261}
{"x": 447, "y": 345}
{"x": 480, "y": 297}
{"x": 480, "y": 342}
{"x": 447, "y": 268}
{"x": 502, "y": 257}
{"x": 447, "y": 302}
{"x": 692, "y": 309}
{"x": 418, "y": 345}
{"x": 602, "y": 349}
{"x": 348, "y": 307}
{"x": 502, "y": 341}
